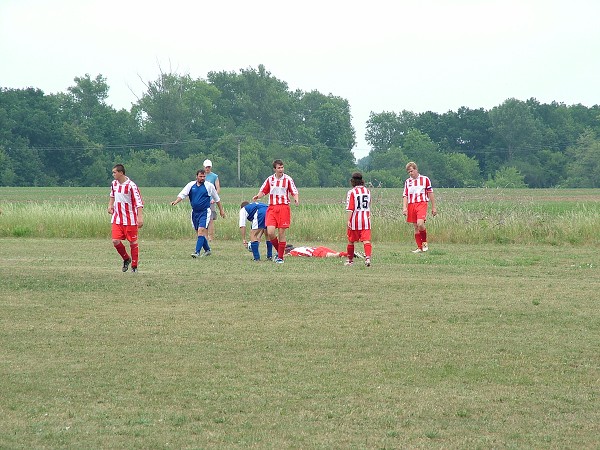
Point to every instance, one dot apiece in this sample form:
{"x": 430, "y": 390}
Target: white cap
{"x": 207, "y": 163}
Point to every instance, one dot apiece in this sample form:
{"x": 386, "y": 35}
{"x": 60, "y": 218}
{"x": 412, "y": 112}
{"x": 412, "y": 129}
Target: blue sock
{"x": 205, "y": 245}
{"x": 200, "y": 243}
{"x": 269, "y": 249}
{"x": 254, "y": 247}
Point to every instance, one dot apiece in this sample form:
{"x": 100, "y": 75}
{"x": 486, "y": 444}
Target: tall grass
{"x": 465, "y": 215}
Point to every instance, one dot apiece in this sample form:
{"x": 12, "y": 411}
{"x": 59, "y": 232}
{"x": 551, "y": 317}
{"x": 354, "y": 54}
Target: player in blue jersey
{"x": 255, "y": 212}
{"x": 200, "y": 193}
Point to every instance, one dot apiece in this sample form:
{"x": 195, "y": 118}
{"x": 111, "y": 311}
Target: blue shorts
{"x": 201, "y": 219}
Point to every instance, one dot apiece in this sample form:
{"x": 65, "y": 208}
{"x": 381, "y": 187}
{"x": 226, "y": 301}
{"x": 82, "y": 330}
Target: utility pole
{"x": 239, "y": 161}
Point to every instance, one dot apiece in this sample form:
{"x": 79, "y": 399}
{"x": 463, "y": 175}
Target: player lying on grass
{"x": 316, "y": 252}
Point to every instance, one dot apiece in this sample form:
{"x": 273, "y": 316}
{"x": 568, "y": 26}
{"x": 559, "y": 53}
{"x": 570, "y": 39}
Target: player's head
{"x": 201, "y": 171}
{"x": 357, "y": 179}
{"x": 244, "y": 203}
{"x": 288, "y": 249}
{"x": 277, "y": 162}
{"x": 207, "y": 165}
{"x": 119, "y": 168}
{"x": 412, "y": 169}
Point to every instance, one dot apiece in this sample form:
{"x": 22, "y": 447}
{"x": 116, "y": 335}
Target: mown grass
{"x": 489, "y": 340}
{"x": 468, "y": 346}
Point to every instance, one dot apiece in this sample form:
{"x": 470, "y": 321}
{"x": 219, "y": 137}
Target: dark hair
{"x": 244, "y": 203}
{"x": 277, "y": 162}
{"x": 119, "y": 168}
{"x": 200, "y": 171}
{"x": 357, "y": 179}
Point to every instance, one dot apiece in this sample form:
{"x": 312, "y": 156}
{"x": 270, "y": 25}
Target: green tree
{"x": 507, "y": 177}
{"x": 584, "y": 166}
{"x": 388, "y": 129}
{"x": 516, "y": 131}
{"x": 178, "y": 114}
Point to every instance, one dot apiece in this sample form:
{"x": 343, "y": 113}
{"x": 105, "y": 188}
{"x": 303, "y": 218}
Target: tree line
{"x": 243, "y": 120}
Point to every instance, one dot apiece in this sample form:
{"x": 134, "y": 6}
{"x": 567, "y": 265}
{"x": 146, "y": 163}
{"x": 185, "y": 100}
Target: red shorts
{"x": 358, "y": 235}
{"x": 125, "y": 232}
{"x": 416, "y": 211}
{"x": 278, "y": 216}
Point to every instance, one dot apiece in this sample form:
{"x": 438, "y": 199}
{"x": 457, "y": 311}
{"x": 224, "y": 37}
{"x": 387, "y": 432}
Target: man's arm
{"x": 221, "y": 210}
{"x": 432, "y": 201}
{"x": 140, "y": 216}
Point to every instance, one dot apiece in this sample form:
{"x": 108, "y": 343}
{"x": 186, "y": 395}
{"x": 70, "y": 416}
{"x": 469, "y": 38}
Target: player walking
{"x": 279, "y": 186}
{"x": 358, "y": 207}
{"x": 417, "y": 194}
{"x": 200, "y": 192}
{"x": 125, "y": 206}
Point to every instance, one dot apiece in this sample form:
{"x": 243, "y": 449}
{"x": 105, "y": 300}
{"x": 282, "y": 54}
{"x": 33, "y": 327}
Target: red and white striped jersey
{"x": 302, "y": 251}
{"x": 417, "y": 189}
{"x": 127, "y": 201}
{"x": 358, "y": 201}
{"x": 279, "y": 189}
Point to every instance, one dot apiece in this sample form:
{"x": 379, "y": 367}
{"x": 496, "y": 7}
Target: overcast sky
{"x": 381, "y": 56}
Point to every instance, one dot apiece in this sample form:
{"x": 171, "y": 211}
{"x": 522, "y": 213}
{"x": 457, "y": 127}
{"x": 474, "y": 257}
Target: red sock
{"x": 423, "y": 234}
{"x": 275, "y": 243}
{"x": 350, "y": 250}
{"x": 368, "y": 249}
{"x": 122, "y": 251}
{"x": 418, "y": 240}
{"x": 281, "y": 250}
{"x": 135, "y": 250}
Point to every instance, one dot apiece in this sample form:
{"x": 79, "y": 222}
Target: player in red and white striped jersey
{"x": 317, "y": 252}
{"x": 279, "y": 186}
{"x": 418, "y": 193}
{"x": 358, "y": 207}
{"x": 125, "y": 205}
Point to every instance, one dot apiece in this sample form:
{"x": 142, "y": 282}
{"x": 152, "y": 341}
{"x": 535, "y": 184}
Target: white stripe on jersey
{"x": 279, "y": 189}
{"x": 417, "y": 189}
{"x": 358, "y": 200}
{"x": 127, "y": 201}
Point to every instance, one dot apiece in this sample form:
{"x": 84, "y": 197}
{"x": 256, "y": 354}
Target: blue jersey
{"x": 200, "y": 196}
{"x": 254, "y": 212}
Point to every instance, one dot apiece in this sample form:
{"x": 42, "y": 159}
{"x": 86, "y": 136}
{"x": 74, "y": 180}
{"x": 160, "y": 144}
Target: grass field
{"x": 484, "y": 345}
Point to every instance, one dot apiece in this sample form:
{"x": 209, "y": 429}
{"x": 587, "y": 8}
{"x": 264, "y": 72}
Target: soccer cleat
{"x": 134, "y": 270}
{"x": 195, "y": 255}
{"x": 425, "y": 248}
{"x": 349, "y": 263}
{"x": 269, "y": 258}
{"x": 126, "y": 263}
{"x": 278, "y": 260}
{"x": 417, "y": 250}
{"x": 206, "y": 253}
{"x": 368, "y": 261}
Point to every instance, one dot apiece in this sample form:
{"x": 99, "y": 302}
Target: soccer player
{"x": 213, "y": 178}
{"x": 254, "y": 212}
{"x": 125, "y": 206}
{"x": 200, "y": 192}
{"x": 358, "y": 208}
{"x": 417, "y": 194}
{"x": 279, "y": 186}
{"x": 316, "y": 252}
